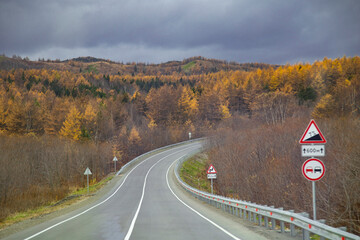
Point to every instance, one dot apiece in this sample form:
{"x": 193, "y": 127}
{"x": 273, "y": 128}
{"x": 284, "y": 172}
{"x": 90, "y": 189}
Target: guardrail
{"x": 269, "y": 217}
{"x": 135, "y": 160}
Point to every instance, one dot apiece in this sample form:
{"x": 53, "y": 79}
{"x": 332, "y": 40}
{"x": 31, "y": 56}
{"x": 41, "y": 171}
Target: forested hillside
{"x": 57, "y": 118}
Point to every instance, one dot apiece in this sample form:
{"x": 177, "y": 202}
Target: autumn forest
{"x": 59, "y": 117}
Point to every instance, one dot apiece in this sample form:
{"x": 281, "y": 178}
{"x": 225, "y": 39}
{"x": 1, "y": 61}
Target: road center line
{"x": 132, "y": 225}
{"x": 87, "y": 210}
{"x": 213, "y": 223}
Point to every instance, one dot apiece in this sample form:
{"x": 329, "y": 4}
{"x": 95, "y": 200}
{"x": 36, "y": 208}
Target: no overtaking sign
{"x": 313, "y": 169}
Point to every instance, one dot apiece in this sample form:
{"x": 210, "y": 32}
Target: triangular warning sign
{"x": 312, "y": 134}
{"x": 211, "y": 169}
{"x": 87, "y": 171}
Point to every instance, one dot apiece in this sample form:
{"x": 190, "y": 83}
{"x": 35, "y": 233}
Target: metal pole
{"x": 314, "y": 199}
{"x": 115, "y": 166}
{"x": 211, "y": 186}
{"x": 87, "y": 180}
{"x": 314, "y": 196}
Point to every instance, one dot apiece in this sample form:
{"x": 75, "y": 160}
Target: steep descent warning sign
{"x": 211, "y": 170}
{"x": 312, "y": 134}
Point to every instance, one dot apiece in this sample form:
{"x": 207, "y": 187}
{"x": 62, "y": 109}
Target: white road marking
{"x": 213, "y": 223}
{"x": 87, "y": 210}
{"x": 132, "y": 225}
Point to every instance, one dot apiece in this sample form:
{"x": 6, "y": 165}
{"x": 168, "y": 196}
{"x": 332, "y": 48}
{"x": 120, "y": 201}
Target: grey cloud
{"x": 260, "y": 31}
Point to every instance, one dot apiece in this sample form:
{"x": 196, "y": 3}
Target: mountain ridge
{"x": 192, "y": 65}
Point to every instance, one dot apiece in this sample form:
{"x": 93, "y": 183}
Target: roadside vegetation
{"x": 193, "y": 172}
{"x": 72, "y": 197}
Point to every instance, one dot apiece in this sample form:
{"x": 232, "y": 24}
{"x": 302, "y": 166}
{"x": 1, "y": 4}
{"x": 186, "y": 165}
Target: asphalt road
{"x": 147, "y": 203}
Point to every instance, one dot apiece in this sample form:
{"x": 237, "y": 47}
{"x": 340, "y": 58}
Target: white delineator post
{"x": 87, "y": 173}
{"x": 115, "y": 160}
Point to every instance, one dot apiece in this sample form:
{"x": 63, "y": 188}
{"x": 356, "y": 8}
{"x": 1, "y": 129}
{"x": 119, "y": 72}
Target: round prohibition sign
{"x": 313, "y": 169}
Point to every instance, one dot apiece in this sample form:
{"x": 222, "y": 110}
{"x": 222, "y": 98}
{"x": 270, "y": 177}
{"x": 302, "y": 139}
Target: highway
{"x": 145, "y": 202}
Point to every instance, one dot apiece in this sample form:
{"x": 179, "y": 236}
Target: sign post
{"x": 115, "y": 160}
{"x": 313, "y": 169}
{"x": 87, "y": 173}
{"x": 211, "y": 174}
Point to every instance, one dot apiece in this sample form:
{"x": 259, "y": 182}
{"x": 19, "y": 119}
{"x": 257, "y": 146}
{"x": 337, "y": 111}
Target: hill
{"x": 189, "y": 66}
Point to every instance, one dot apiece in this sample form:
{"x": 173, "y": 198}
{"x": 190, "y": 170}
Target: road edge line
{"x": 210, "y": 221}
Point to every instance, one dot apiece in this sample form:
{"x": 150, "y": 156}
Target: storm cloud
{"x": 163, "y": 30}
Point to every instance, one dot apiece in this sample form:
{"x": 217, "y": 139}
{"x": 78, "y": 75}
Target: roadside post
{"x": 211, "y": 174}
{"x": 87, "y": 173}
{"x": 313, "y": 169}
{"x": 189, "y": 135}
{"x": 115, "y": 160}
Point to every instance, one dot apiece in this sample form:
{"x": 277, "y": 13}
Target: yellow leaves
{"x": 225, "y": 112}
{"x": 324, "y": 108}
{"x": 152, "y": 124}
{"x": 72, "y": 125}
{"x": 134, "y": 136}
{"x": 90, "y": 114}
{"x": 81, "y": 80}
{"x": 2, "y": 112}
{"x": 287, "y": 89}
{"x": 188, "y": 103}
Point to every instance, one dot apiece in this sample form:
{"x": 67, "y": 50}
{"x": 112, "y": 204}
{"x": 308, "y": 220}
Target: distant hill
{"x": 88, "y": 59}
{"x": 189, "y": 66}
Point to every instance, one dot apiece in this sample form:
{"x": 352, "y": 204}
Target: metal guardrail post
{"x": 306, "y": 233}
{"x": 282, "y": 225}
{"x": 273, "y": 223}
{"x": 260, "y": 219}
{"x": 322, "y": 221}
{"x": 292, "y": 227}
{"x": 266, "y": 220}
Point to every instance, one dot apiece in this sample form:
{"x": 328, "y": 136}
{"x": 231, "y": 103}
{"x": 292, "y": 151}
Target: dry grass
{"x": 75, "y": 196}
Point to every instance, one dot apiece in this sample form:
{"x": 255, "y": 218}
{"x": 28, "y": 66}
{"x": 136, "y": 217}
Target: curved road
{"x": 145, "y": 203}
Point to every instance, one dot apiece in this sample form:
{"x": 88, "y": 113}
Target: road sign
{"x": 313, "y": 169}
{"x": 312, "y": 134}
{"x": 211, "y": 169}
{"x": 87, "y": 171}
{"x": 211, "y": 176}
{"x": 313, "y": 150}
{"x": 115, "y": 160}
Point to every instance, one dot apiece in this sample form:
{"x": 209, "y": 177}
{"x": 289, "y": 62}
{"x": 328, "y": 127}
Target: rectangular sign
{"x": 313, "y": 150}
{"x": 211, "y": 176}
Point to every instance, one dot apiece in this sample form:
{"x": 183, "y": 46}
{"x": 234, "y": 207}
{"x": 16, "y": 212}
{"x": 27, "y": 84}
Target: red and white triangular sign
{"x": 211, "y": 169}
{"x": 312, "y": 134}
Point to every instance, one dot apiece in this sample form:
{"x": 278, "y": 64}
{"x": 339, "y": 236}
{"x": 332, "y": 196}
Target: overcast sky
{"x": 153, "y": 31}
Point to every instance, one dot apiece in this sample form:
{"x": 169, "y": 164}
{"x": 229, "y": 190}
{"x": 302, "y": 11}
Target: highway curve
{"x": 146, "y": 203}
